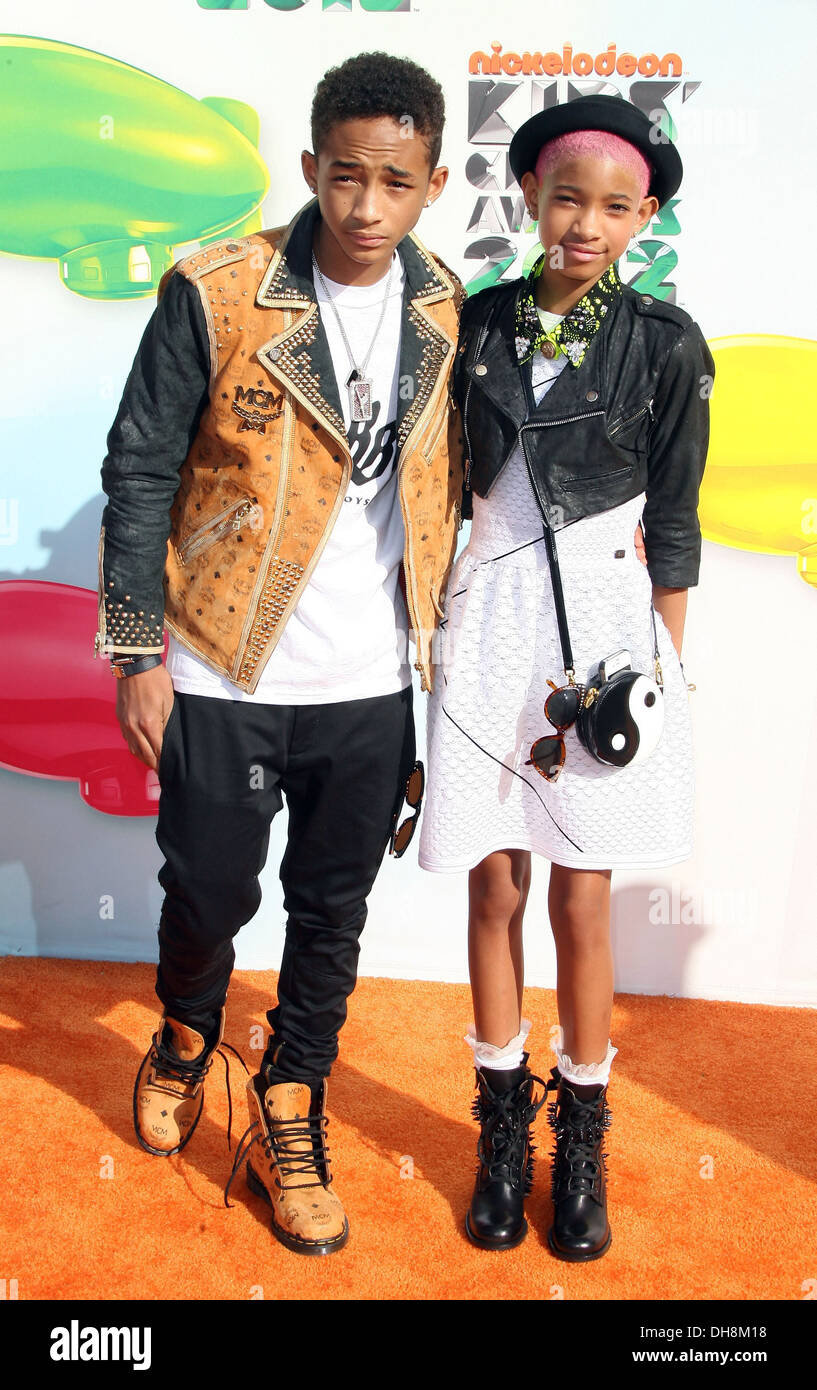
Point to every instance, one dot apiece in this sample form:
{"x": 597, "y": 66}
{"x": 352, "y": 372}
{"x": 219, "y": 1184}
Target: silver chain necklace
{"x": 358, "y": 384}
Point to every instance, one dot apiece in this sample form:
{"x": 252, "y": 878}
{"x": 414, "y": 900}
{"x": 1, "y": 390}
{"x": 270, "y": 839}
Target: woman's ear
{"x": 647, "y": 209}
{"x": 530, "y": 191}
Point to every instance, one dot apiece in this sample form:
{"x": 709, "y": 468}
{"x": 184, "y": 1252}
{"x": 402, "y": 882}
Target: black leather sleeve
{"x": 677, "y": 455}
{"x": 158, "y": 417}
{"x": 476, "y": 309}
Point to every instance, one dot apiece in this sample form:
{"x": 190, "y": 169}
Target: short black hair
{"x": 378, "y": 84}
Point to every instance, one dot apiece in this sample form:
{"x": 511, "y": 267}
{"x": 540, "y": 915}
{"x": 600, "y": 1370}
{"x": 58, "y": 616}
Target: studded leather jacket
{"x": 633, "y": 417}
{"x": 228, "y": 461}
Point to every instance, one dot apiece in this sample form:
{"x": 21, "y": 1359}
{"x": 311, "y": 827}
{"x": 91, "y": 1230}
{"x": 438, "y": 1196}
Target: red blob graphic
{"x": 58, "y": 704}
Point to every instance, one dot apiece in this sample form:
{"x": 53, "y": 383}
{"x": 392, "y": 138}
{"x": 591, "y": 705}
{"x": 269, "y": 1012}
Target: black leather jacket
{"x": 634, "y": 417}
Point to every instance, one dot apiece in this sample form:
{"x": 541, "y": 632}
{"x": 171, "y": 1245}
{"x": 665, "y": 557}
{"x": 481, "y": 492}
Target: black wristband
{"x": 133, "y": 666}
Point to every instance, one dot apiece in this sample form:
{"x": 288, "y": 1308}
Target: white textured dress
{"x": 500, "y": 644}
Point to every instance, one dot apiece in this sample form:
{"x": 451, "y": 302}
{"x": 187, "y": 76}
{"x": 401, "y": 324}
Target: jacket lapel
{"x": 299, "y": 357}
{"x": 503, "y": 382}
{"x": 424, "y": 344}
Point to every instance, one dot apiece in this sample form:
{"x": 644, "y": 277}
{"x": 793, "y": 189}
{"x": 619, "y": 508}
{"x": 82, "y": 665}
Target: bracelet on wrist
{"x": 133, "y": 666}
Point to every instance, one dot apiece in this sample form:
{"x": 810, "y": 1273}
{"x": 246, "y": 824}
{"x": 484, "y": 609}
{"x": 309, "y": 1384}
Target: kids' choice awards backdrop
{"x": 135, "y": 133}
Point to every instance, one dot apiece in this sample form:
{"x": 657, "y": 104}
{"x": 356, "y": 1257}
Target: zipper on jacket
{"x": 542, "y": 424}
{"x": 631, "y": 418}
{"x": 568, "y": 420}
{"x": 535, "y": 487}
{"x": 245, "y": 512}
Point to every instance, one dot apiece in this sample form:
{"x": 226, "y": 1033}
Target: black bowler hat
{"x": 612, "y": 114}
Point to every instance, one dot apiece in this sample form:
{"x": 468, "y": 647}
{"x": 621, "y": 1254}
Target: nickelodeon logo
{"x": 570, "y": 64}
{"x": 329, "y": 6}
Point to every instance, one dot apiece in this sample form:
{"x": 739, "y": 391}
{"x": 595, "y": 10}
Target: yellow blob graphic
{"x": 759, "y": 490}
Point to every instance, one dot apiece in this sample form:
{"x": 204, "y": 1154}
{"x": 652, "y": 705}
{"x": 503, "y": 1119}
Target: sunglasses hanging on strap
{"x": 413, "y": 795}
{"x": 618, "y": 712}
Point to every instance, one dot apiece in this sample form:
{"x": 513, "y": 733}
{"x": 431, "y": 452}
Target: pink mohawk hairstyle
{"x": 601, "y": 143}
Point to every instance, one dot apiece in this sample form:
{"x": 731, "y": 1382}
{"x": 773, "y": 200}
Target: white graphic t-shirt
{"x": 347, "y": 637}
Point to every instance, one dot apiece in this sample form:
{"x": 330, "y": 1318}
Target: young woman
{"x": 585, "y": 411}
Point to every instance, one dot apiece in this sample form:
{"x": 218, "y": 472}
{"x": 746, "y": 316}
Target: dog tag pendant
{"x": 360, "y": 396}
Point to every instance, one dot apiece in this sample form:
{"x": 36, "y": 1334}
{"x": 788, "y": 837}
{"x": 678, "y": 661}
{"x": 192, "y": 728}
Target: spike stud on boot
{"x": 580, "y": 1229}
{"x": 290, "y": 1165}
{"x": 169, "y": 1092}
{"x": 505, "y": 1109}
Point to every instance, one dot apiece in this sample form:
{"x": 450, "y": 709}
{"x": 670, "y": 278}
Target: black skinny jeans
{"x": 224, "y": 770}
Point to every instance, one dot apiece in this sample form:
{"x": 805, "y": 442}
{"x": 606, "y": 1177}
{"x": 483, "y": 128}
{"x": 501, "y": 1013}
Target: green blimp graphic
{"x": 373, "y": 6}
{"x": 105, "y": 168}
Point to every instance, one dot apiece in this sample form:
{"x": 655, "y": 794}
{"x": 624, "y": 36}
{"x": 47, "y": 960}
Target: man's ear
{"x": 436, "y": 184}
{"x": 309, "y": 165}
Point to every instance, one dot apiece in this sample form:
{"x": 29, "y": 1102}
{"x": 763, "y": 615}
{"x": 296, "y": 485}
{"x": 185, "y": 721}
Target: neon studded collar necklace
{"x": 573, "y": 335}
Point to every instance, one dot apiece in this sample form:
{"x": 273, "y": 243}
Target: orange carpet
{"x": 711, "y": 1188}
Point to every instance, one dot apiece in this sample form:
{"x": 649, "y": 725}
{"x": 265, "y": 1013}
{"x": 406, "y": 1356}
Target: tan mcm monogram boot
{"x": 169, "y": 1091}
{"x": 290, "y": 1167}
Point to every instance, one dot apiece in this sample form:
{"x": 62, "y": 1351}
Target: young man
{"x": 284, "y": 479}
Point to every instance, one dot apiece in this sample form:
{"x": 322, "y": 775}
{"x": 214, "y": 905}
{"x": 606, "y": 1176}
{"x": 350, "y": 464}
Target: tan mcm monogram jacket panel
{"x": 266, "y": 471}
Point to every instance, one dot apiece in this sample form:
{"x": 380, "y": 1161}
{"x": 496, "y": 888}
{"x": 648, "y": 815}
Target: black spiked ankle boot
{"x": 579, "y": 1116}
{"x": 505, "y": 1108}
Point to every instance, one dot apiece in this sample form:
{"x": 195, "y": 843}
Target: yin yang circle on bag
{"x": 623, "y": 724}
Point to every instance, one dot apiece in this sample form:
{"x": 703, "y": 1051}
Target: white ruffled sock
{"x": 583, "y": 1073}
{"x": 498, "y": 1058}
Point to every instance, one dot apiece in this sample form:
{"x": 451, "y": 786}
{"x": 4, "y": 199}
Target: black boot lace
{"x": 504, "y": 1148}
{"x": 579, "y": 1126}
{"x": 279, "y": 1144}
{"x": 170, "y": 1065}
